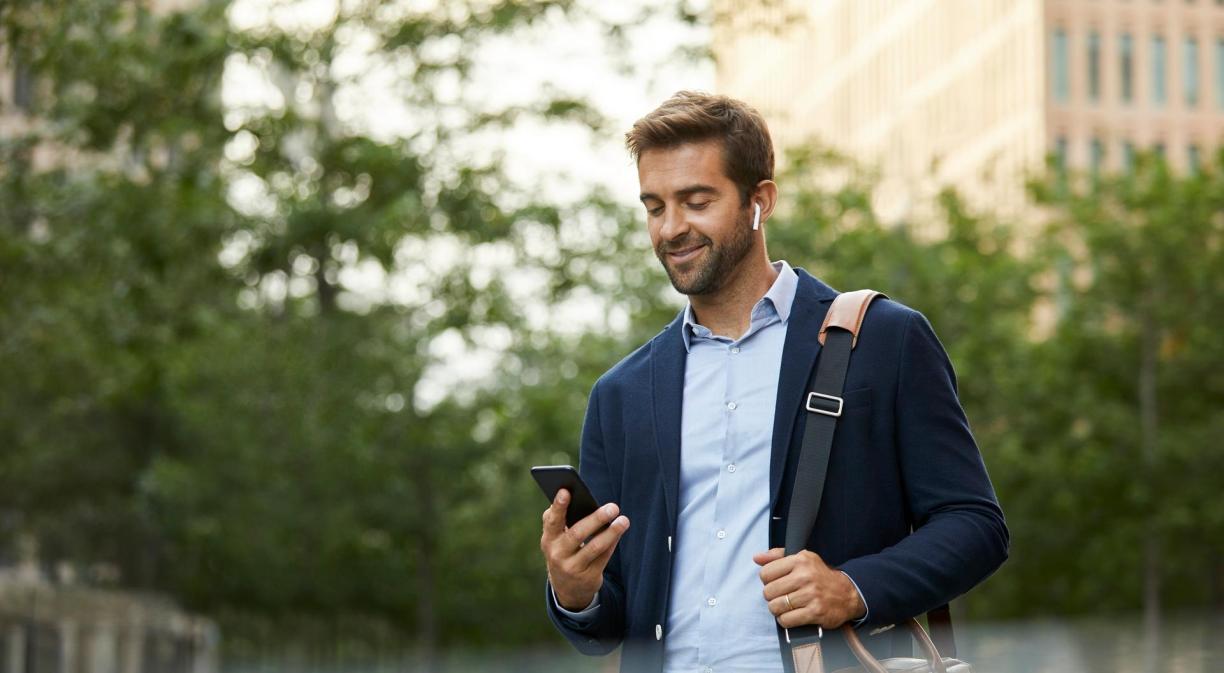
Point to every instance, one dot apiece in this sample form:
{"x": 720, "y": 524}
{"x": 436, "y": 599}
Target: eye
{"x": 655, "y": 212}
{"x": 698, "y": 206}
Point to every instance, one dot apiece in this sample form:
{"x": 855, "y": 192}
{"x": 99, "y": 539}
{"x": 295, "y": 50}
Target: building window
{"x": 1193, "y": 159}
{"x": 1159, "y": 150}
{"x": 1219, "y": 70}
{"x": 1190, "y": 71}
{"x": 1060, "y": 153}
{"x": 1060, "y": 77}
{"x": 1094, "y": 66}
{"x": 1127, "y": 68}
{"x": 1128, "y": 156}
{"x": 1160, "y": 68}
{"x": 1098, "y": 155}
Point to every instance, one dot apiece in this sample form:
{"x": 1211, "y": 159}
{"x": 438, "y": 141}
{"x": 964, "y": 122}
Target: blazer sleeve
{"x": 604, "y": 631}
{"x": 959, "y": 534}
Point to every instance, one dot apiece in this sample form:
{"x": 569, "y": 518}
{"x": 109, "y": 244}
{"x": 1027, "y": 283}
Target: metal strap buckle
{"x": 826, "y": 412}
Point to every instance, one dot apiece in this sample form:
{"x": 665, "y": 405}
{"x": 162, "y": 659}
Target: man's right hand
{"x": 576, "y": 569}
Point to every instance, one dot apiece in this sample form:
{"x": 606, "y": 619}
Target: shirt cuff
{"x": 858, "y": 622}
{"x": 587, "y": 614}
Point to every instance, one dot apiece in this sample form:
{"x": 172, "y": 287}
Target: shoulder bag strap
{"x": 839, "y": 335}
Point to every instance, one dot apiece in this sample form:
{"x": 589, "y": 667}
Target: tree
{"x": 1139, "y": 296}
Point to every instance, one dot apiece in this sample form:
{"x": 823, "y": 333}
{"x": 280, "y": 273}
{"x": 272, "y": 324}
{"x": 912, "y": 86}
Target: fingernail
{"x": 622, "y": 521}
{"x": 609, "y": 509}
{"x": 563, "y": 497}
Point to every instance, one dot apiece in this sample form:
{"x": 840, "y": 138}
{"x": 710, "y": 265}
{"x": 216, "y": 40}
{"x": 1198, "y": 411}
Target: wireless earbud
{"x": 756, "y": 219}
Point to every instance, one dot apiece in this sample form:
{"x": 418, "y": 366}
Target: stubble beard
{"x": 715, "y": 264}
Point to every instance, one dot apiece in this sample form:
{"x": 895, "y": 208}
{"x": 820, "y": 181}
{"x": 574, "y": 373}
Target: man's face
{"x": 698, "y": 228}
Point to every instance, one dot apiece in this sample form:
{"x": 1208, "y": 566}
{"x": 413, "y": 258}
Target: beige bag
{"x": 933, "y": 662}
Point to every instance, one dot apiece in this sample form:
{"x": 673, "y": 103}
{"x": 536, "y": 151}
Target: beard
{"x": 713, "y": 267}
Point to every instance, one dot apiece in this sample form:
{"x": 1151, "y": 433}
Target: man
{"x": 694, "y": 438}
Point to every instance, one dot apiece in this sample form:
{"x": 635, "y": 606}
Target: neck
{"x": 728, "y": 311}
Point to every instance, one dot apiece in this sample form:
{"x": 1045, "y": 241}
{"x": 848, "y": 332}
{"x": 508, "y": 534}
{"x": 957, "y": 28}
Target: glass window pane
{"x": 1219, "y": 71}
{"x": 1060, "y": 78}
{"x": 1159, "y": 68}
{"x": 1190, "y": 71}
{"x": 1094, "y": 66}
{"x": 1127, "y": 44}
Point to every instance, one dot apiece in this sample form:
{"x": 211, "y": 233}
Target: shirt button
{"x": 735, "y": 349}
{"x": 731, "y": 406}
{"x": 712, "y": 601}
{"x": 658, "y": 632}
{"x": 707, "y": 669}
{"x": 731, "y": 467}
{"x": 721, "y": 533}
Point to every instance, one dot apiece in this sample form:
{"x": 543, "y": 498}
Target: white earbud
{"x": 756, "y": 220}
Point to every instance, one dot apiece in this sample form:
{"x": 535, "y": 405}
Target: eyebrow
{"x": 682, "y": 193}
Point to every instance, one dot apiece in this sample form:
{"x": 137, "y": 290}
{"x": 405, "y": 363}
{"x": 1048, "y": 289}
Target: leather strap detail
{"x": 847, "y": 312}
{"x": 808, "y": 658}
{"x": 873, "y": 665}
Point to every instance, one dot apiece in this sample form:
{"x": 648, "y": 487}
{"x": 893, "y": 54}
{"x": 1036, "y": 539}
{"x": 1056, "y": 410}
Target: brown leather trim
{"x": 872, "y": 665}
{"x": 927, "y": 647}
{"x": 808, "y": 658}
{"x": 847, "y": 312}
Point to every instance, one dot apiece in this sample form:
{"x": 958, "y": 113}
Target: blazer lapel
{"x": 799, "y": 352}
{"x": 668, "y": 358}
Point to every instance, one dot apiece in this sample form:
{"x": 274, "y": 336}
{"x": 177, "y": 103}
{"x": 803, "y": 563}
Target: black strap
{"x": 939, "y": 623}
{"x": 828, "y": 381}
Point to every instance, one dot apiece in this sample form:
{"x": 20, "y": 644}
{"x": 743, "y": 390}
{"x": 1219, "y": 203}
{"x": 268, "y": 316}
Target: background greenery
{"x": 193, "y": 402}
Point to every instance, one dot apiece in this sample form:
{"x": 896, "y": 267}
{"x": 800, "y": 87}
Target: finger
{"x": 787, "y": 584}
{"x": 779, "y": 607}
{"x": 554, "y": 516}
{"x": 600, "y": 547}
{"x": 777, "y": 568}
{"x": 798, "y": 617}
{"x": 761, "y": 558}
{"x": 593, "y": 523}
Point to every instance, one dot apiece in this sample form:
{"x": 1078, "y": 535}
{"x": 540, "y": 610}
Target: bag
{"x": 839, "y": 335}
{"x": 933, "y": 662}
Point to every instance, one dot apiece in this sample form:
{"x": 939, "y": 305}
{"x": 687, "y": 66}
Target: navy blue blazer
{"x": 908, "y": 510}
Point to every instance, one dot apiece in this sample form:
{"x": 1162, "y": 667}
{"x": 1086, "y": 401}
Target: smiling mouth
{"x": 682, "y": 256}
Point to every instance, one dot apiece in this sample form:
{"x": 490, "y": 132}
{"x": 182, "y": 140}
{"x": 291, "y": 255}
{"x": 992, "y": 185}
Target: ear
{"x": 766, "y": 194}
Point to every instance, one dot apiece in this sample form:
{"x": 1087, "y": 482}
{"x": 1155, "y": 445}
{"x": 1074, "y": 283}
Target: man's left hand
{"x": 818, "y": 594}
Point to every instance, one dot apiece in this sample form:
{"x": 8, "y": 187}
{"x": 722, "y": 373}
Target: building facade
{"x": 976, "y": 93}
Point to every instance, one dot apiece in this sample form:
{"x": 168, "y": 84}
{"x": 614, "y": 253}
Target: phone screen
{"x": 553, "y": 478}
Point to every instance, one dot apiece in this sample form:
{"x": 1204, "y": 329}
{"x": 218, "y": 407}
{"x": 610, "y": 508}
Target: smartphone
{"x": 553, "y": 478}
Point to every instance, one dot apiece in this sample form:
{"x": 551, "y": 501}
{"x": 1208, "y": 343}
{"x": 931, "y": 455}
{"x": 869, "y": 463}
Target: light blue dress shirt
{"x": 717, "y": 618}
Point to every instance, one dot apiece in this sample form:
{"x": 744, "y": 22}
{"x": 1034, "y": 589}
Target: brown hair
{"x": 693, "y": 116}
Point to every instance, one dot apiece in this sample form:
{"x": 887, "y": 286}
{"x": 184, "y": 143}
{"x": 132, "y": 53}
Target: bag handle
{"x": 873, "y": 665}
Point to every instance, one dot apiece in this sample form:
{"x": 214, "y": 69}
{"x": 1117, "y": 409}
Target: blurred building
{"x": 974, "y": 93}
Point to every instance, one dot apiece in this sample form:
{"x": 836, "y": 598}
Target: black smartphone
{"x": 553, "y": 478}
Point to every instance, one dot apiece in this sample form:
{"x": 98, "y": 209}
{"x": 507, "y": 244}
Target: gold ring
{"x": 788, "y": 603}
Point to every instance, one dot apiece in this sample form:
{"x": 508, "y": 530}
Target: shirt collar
{"x": 781, "y": 296}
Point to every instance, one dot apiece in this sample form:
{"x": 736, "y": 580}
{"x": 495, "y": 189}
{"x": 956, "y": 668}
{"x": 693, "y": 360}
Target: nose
{"x": 674, "y": 224}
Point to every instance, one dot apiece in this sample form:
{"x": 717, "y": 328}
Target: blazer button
{"x": 658, "y": 632}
